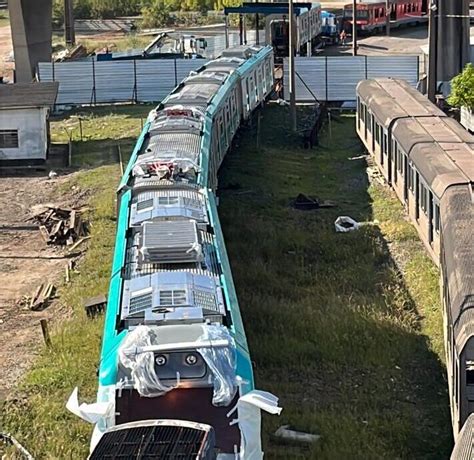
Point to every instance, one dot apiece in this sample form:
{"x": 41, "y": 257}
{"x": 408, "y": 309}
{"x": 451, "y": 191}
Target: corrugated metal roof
{"x": 457, "y": 215}
{"x": 391, "y": 98}
{"x": 464, "y": 448}
{"x": 28, "y": 95}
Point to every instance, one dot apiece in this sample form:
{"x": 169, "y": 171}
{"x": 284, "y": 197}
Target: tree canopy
{"x": 462, "y": 89}
{"x": 155, "y": 13}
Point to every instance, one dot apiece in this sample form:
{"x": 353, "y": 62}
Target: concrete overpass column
{"x": 31, "y": 28}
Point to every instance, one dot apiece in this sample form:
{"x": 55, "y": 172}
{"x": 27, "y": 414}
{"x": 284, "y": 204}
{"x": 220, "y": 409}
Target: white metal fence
{"x": 92, "y": 82}
{"x": 334, "y": 78}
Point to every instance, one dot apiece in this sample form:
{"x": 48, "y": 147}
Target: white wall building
{"x": 24, "y": 120}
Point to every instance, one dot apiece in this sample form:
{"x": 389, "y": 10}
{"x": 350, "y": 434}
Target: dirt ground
{"x": 6, "y": 47}
{"x": 25, "y": 263}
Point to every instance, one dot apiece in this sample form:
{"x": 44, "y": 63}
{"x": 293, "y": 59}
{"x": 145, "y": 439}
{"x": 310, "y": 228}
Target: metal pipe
{"x": 354, "y": 27}
{"x": 291, "y": 65}
{"x": 388, "y": 10}
{"x": 226, "y": 30}
{"x": 69, "y": 31}
{"x": 432, "y": 51}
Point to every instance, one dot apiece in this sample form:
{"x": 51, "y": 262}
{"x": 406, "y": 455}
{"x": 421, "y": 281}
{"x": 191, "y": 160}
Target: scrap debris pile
{"x": 40, "y": 299}
{"x": 60, "y": 226}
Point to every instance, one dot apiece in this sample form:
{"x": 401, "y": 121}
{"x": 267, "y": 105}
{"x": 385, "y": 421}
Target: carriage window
{"x": 469, "y": 372}
{"x": 423, "y": 198}
{"x": 436, "y": 218}
{"x": 410, "y": 178}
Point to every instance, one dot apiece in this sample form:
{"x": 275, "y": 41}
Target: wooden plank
{"x": 36, "y": 295}
{"x": 45, "y": 330}
{"x": 44, "y": 233}
{"x": 78, "y": 242}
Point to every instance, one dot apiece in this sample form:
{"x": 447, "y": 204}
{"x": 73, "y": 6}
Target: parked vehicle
{"x": 175, "y": 376}
{"x": 428, "y": 159}
{"x": 372, "y": 15}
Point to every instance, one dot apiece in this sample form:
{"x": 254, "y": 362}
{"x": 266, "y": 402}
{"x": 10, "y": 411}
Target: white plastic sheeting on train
{"x": 222, "y": 363}
{"x": 249, "y": 407}
{"x": 334, "y": 78}
{"x": 216, "y": 346}
{"x": 91, "y": 413}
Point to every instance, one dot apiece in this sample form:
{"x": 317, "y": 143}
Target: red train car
{"x": 372, "y": 16}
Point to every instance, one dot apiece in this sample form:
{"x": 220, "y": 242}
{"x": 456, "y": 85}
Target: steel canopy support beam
{"x": 354, "y": 27}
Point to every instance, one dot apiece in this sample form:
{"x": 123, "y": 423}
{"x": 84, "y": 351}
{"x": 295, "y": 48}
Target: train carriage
{"x": 175, "y": 364}
{"x": 428, "y": 159}
{"x": 372, "y": 15}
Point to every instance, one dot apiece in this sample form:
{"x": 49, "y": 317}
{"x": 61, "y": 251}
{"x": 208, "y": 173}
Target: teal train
{"x": 175, "y": 377}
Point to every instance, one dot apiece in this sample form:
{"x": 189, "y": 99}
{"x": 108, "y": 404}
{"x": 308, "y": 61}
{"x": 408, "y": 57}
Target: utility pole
{"x": 291, "y": 65}
{"x": 69, "y": 32}
{"x": 354, "y": 27}
{"x": 388, "y": 10}
{"x": 432, "y": 50}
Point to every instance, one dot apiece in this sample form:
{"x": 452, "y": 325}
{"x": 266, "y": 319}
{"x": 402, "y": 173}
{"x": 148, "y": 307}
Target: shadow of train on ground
{"x": 332, "y": 327}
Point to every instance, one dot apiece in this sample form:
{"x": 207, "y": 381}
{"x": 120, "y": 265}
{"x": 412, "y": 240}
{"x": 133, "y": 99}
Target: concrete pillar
{"x": 31, "y": 26}
{"x": 453, "y": 38}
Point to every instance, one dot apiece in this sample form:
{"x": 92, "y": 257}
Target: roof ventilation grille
{"x": 174, "y": 241}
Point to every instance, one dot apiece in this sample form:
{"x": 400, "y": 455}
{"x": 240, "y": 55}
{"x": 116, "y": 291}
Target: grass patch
{"x": 38, "y": 415}
{"x": 120, "y": 42}
{"x": 352, "y": 347}
{"x": 95, "y": 132}
{"x": 4, "y": 18}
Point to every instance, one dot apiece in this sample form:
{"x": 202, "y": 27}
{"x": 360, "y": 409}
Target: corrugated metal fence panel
{"x": 114, "y": 81}
{"x": 334, "y": 78}
{"x": 342, "y": 77}
{"x": 315, "y": 69}
{"x": 89, "y": 82}
{"x": 76, "y": 80}
{"x": 405, "y": 67}
{"x": 155, "y": 79}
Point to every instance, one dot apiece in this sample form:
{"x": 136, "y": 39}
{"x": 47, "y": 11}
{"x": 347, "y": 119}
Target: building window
{"x": 8, "y": 138}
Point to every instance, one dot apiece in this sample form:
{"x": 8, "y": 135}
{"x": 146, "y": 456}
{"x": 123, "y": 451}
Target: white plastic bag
{"x": 346, "y": 224}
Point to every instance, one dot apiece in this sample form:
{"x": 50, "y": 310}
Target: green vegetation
{"x": 155, "y": 13}
{"x": 462, "y": 88}
{"x": 102, "y": 131}
{"x": 352, "y": 347}
{"x": 4, "y": 18}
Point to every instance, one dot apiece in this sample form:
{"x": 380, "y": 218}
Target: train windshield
{"x": 361, "y": 14}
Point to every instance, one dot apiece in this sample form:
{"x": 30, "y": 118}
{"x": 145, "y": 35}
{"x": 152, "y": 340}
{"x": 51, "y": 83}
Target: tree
{"x": 462, "y": 89}
{"x": 157, "y": 14}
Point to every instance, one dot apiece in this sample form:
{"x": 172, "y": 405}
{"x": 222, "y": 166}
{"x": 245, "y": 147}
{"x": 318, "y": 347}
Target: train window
{"x": 436, "y": 218}
{"x": 398, "y": 153}
{"x": 411, "y": 177}
{"x": 469, "y": 372}
{"x": 423, "y": 198}
{"x": 417, "y": 195}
